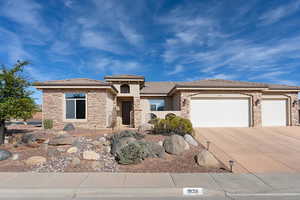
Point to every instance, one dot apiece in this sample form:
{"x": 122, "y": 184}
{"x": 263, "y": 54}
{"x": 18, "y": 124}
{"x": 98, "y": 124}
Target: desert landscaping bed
{"x": 88, "y": 151}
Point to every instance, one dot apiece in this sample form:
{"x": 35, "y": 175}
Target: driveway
{"x": 255, "y": 150}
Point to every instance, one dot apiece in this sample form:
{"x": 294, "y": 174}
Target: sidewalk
{"x": 84, "y": 185}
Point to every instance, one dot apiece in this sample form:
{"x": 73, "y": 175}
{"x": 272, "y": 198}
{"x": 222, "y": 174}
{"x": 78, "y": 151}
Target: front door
{"x": 126, "y": 109}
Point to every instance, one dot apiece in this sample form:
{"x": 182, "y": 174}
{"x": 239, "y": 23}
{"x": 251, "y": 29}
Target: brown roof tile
{"x": 157, "y": 87}
{"x": 73, "y": 82}
{"x": 124, "y": 76}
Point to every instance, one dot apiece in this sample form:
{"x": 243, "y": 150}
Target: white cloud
{"x": 12, "y": 46}
{"x": 223, "y": 76}
{"x": 114, "y": 66}
{"x": 61, "y": 48}
{"x": 25, "y": 13}
{"x": 101, "y": 41}
{"x": 274, "y": 15}
{"x": 177, "y": 69}
{"x": 131, "y": 35}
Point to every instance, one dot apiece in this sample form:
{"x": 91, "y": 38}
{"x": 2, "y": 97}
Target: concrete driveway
{"x": 255, "y": 150}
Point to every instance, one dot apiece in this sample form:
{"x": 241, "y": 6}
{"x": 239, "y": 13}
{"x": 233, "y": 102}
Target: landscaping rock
{"x": 36, "y": 160}
{"x": 61, "y": 150}
{"x": 69, "y": 127}
{"x": 189, "y": 139}
{"x": 97, "y": 165}
{"x": 91, "y": 155}
{"x": 160, "y": 143}
{"x": 175, "y": 144}
{"x": 156, "y": 150}
{"x": 145, "y": 128}
{"x": 28, "y": 138}
{"x": 206, "y": 159}
{"x": 75, "y": 162}
{"x": 15, "y": 156}
{"x": 62, "y": 140}
{"x": 119, "y": 144}
{"x": 4, "y": 154}
{"x": 72, "y": 150}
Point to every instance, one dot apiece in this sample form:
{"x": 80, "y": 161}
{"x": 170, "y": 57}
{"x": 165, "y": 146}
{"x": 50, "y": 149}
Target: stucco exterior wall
{"x": 96, "y": 102}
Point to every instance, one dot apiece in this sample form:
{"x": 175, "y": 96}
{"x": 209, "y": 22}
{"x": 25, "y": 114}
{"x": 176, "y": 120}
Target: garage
{"x": 274, "y": 112}
{"x": 220, "y": 112}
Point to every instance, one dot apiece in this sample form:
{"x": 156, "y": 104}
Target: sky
{"x": 164, "y": 40}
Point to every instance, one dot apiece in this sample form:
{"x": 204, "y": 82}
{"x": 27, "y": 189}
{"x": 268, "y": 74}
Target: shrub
{"x": 48, "y": 123}
{"x": 173, "y": 125}
{"x": 132, "y": 153}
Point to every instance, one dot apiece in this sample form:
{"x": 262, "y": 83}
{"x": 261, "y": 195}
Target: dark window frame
{"x": 78, "y": 99}
{"x": 125, "y": 88}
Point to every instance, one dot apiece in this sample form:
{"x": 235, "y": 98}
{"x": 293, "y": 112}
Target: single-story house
{"x": 129, "y": 100}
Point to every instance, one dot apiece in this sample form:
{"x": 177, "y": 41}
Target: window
{"x": 125, "y": 88}
{"x": 75, "y": 106}
{"x": 157, "y": 104}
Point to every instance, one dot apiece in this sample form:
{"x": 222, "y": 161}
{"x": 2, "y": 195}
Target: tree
{"x": 15, "y": 100}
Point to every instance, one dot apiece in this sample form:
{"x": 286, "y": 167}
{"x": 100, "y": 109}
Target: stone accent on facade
{"x": 137, "y": 112}
{"x": 54, "y": 108}
{"x": 255, "y": 102}
{"x": 294, "y": 111}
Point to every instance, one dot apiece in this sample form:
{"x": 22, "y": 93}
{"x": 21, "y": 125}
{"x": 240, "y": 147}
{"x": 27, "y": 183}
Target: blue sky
{"x": 161, "y": 39}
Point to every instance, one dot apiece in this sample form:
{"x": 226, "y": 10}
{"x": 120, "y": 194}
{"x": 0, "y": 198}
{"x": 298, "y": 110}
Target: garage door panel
{"x": 274, "y": 112}
{"x": 220, "y": 112}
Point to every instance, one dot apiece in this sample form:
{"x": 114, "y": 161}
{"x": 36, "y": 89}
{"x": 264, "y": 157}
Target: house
{"x": 130, "y": 100}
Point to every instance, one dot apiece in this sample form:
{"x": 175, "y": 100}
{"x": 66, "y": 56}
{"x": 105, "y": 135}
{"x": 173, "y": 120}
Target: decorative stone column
{"x": 185, "y": 105}
{"x": 294, "y": 111}
{"x": 256, "y": 109}
{"x": 137, "y": 112}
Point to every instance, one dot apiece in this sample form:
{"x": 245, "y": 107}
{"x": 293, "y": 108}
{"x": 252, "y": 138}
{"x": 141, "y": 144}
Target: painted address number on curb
{"x": 192, "y": 191}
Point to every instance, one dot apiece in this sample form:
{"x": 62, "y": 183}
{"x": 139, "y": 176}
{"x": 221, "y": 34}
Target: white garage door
{"x": 274, "y": 113}
{"x": 220, "y": 112}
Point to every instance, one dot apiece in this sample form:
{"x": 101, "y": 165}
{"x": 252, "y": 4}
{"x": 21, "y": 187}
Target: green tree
{"x": 15, "y": 100}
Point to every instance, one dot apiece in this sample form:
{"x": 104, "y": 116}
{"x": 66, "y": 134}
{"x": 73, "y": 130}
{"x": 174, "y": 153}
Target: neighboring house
{"x": 129, "y": 100}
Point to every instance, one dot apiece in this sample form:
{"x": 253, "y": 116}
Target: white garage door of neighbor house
{"x": 274, "y": 113}
{"x": 220, "y": 112}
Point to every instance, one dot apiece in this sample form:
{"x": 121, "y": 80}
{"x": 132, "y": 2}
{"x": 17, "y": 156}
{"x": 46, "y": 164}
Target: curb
{"x": 102, "y": 192}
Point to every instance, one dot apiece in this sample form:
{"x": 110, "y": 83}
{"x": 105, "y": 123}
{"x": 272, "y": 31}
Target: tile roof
{"x": 124, "y": 76}
{"x": 157, "y": 87}
{"x": 73, "y": 82}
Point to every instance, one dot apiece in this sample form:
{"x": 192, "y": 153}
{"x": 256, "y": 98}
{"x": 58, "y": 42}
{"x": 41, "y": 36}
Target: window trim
{"x": 65, "y": 107}
{"x": 164, "y": 100}
{"x": 125, "y": 84}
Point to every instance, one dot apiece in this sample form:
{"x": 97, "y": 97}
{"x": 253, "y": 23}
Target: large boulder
{"x": 145, "y": 128}
{"x": 156, "y": 150}
{"x": 4, "y": 154}
{"x": 62, "y": 140}
{"x": 35, "y": 160}
{"x": 175, "y": 144}
{"x": 206, "y": 159}
{"x": 90, "y": 155}
{"x": 69, "y": 127}
{"x": 189, "y": 139}
{"x": 120, "y": 143}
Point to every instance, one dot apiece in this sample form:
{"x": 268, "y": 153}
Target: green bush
{"x": 132, "y": 153}
{"x": 48, "y": 123}
{"x": 173, "y": 125}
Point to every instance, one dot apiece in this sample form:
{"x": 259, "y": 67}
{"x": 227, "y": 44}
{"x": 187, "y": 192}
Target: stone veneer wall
{"x": 54, "y": 106}
{"x": 294, "y": 109}
{"x": 137, "y": 112}
{"x": 185, "y": 98}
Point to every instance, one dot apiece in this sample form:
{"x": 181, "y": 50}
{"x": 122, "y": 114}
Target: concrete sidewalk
{"x": 88, "y": 185}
